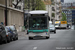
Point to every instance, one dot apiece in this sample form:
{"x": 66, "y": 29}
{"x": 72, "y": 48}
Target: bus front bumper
{"x": 39, "y": 35}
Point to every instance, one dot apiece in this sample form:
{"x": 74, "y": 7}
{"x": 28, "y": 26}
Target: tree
{"x": 64, "y": 17}
{"x": 35, "y": 5}
{"x": 17, "y": 2}
{"x": 53, "y": 14}
{"x": 40, "y": 5}
{"x": 52, "y": 2}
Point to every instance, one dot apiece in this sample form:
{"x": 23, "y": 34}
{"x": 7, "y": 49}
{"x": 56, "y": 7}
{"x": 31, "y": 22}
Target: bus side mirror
{"x": 48, "y": 18}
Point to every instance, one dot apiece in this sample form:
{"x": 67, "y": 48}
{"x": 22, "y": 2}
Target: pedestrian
{"x": 27, "y": 32}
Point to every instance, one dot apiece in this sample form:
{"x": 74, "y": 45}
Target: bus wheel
{"x": 54, "y": 32}
{"x": 47, "y": 37}
{"x": 30, "y": 38}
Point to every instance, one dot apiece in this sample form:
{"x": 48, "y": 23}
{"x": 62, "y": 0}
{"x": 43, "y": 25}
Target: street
{"x": 62, "y": 40}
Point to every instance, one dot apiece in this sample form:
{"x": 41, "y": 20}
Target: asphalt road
{"x": 62, "y": 40}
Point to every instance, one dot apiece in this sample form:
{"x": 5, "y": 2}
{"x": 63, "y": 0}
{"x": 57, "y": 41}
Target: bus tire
{"x": 54, "y": 32}
{"x": 17, "y": 38}
{"x": 0, "y": 41}
{"x": 30, "y": 38}
{"x": 5, "y": 41}
{"x": 47, "y": 37}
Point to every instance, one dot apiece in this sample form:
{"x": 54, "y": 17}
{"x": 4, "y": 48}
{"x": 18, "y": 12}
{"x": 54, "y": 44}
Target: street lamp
{"x": 5, "y": 12}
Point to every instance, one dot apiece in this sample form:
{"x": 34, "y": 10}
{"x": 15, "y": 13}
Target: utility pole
{"x": 5, "y": 12}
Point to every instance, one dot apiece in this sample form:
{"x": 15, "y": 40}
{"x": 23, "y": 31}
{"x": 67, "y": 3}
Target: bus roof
{"x": 38, "y": 12}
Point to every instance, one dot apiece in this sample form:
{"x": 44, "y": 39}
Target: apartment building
{"x": 48, "y": 6}
{"x": 9, "y": 2}
{"x": 20, "y": 4}
{"x": 68, "y": 13}
{"x": 62, "y": 1}
{"x": 58, "y": 11}
{"x": 54, "y": 9}
{"x": 14, "y": 16}
{"x": 68, "y": 5}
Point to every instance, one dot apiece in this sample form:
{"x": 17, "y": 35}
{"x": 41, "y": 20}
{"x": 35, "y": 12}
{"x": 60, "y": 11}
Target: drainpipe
{"x": 5, "y": 12}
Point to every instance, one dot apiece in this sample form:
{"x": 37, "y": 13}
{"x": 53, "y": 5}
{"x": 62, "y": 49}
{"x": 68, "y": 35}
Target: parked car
{"x": 8, "y": 30}
{"x": 52, "y": 28}
{"x": 13, "y": 31}
{"x": 4, "y": 35}
{"x": 68, "y": 26}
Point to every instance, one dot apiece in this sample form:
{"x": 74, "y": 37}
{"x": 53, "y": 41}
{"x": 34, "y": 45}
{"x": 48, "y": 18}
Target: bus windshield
{"x": 37, "y": 23}
{"x": 56, "y": 24}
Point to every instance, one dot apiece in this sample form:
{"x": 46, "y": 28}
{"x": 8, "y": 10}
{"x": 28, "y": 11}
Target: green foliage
{"x": 71, "y": 8}
{"x": 26, "y": 4}
{"x": 52, "y": 2}
{"x": 12, "y": 0}
{"x": 53, "y": 15}
{"x": 35, "y": 5}
{"x": 63, "y": 17}
{"x": 40, "y": 5}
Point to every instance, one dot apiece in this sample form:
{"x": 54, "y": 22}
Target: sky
{"x": 69, "y": 0}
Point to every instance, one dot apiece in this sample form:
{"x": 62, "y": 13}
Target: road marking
{"x": 34, "y": 48}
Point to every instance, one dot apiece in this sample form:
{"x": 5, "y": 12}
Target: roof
{"x": 38, "y": 12}
{"x": 47, "y": 2}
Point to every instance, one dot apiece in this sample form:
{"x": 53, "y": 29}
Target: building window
{"x": 19, "y": 7}
{"x": 66, "y": 14}
{"x": 53, "y": 9}
{"x": 64, "y": 11}
{"x": 53, "y": 14}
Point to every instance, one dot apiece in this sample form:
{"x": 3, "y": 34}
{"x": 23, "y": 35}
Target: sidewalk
{"x": 22, "y": 35}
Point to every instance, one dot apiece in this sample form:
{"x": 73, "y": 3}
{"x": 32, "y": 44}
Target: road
{"x": 62, "y": 40}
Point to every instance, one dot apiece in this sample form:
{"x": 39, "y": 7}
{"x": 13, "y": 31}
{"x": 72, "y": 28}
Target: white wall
{"x": 1, "y": 15}
{"x": 14, "y": 17}
{"x": 48, "y": 8}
